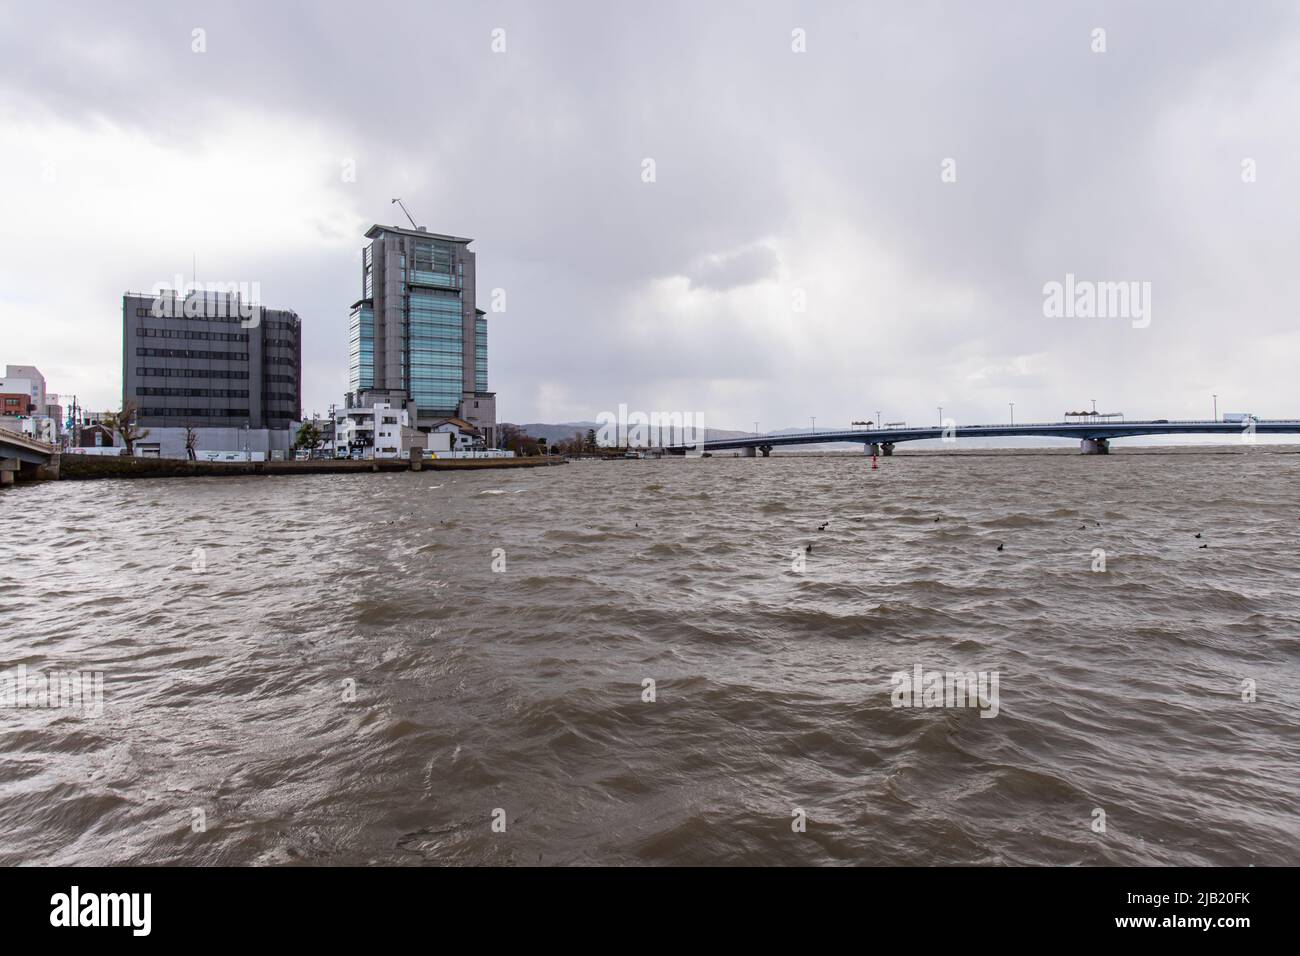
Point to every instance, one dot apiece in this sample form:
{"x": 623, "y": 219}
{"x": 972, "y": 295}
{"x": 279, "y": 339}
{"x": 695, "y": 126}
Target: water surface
{"x": 227, "y": 689}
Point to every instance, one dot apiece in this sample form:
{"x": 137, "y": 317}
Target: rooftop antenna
{"x": 408, "y": 215}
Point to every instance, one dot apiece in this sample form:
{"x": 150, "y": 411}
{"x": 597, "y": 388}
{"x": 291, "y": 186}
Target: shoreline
{"x": 95, "y": 467}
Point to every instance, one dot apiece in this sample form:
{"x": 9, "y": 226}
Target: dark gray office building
{"x": 212, "y": 361}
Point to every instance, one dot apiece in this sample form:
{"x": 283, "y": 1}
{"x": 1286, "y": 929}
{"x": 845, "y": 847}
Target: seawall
{"x": 85, "y": 467}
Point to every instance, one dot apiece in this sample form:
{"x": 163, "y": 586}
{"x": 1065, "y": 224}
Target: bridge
{"x": 1094, "y": 436}
{"x": 22, "y": 454}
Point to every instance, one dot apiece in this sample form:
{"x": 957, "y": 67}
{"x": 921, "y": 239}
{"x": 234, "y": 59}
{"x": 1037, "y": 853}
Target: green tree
{"x": 308, "y": 437}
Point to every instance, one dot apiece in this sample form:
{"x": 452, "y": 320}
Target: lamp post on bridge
{"x": 755, "y": 429}
{"x": 940, "y": 416}
{"x": 1216, "y": 407}
{"x": 1013, "y": 412}
{"x": 814, "y": 421}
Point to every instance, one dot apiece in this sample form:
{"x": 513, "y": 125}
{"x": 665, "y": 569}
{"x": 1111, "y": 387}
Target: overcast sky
{"x": 780, "y": 178}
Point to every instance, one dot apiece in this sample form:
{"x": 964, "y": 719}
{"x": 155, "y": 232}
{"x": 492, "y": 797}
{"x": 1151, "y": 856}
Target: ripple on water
{"x": 336, "y": 688}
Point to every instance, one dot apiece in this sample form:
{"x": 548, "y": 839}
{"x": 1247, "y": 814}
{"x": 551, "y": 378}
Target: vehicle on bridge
{"x": 1091, "y": 416}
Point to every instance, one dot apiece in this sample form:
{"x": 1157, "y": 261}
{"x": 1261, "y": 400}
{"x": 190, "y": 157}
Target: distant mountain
{"x": 553, "y": 433}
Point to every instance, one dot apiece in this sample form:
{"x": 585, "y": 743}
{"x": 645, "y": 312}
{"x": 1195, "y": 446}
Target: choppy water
{"x": 522, "y": 690}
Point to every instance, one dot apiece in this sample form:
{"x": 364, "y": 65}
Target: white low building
{"x": 455, "y": 435}
{"x": 377, "y": 431}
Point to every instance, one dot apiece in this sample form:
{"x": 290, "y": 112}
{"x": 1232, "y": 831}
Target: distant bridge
{"x": 1094, "y": 436}
{"x": 22, "y": 453}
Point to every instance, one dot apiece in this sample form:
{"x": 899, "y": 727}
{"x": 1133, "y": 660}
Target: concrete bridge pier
{"x": 748, "y": 452}
{"x": 887, "y": 449}
{"x": 50, "y": 470}
{"x": 871, "y": 449}
{"x": 8, "y": 468}
{"x": 1094, "y": 446}
{"x": 765, "y": 449}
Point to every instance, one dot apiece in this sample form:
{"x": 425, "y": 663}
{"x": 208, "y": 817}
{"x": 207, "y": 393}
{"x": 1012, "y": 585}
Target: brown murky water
{"x": 227, "y": 732}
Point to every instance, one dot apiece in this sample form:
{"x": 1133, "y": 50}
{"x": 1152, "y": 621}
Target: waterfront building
{"x": 417, "y": 340}
{"x": 26, "y": 378}
{"x": 455, "y": 434}
{"x": 26, "y": 407}
{"x": 374, "y": 431}
{"x": 208, "y": 364}
{"x": 95, "y": 436}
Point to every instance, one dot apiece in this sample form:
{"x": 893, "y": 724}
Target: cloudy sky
{"x": 801, "y": 250}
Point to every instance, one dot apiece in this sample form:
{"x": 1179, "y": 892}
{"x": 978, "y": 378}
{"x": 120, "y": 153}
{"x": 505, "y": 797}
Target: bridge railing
{"x": 1055, "y": 424}
{"x": 831, "y": 434}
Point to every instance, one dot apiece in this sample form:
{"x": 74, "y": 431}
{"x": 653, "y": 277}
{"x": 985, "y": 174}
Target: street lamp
{"x": 940, "y": 416}
{"x": 1013, "y": 412}
{"x": 814, "y": 421}
{"x": 1216, "y": 408}
{"x": 755, "y": 429}
{"x": 879, "y": 423}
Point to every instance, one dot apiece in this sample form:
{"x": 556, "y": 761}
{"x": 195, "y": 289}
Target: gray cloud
{"x": 731, "y": 270}
{"x": 776, "y": 173}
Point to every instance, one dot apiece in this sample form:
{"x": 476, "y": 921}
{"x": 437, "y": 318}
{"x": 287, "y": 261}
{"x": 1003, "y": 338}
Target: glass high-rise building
{"x": 416, "y": 335}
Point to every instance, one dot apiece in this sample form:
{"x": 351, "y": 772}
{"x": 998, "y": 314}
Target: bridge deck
{"x": 24, "y": 448}
{"x": 1079, "y": 430}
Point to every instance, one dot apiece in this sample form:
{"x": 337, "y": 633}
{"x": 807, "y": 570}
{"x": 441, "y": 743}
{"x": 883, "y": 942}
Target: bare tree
{"x": 191, "y": 440}
{"x": 123, "y": 424}
{"x": 508, "y": 435}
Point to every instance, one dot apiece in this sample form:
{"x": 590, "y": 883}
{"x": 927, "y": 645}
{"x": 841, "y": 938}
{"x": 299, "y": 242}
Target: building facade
{"x": 207, "y": 363}
{"x": 16, "y": 403}
{"x": 26, "y": 406}
{"x": 373, "y": 431}
{"x": 26, "y": 378}
{"x": 416, "y": 336}
{"x": 196, "y": 361}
